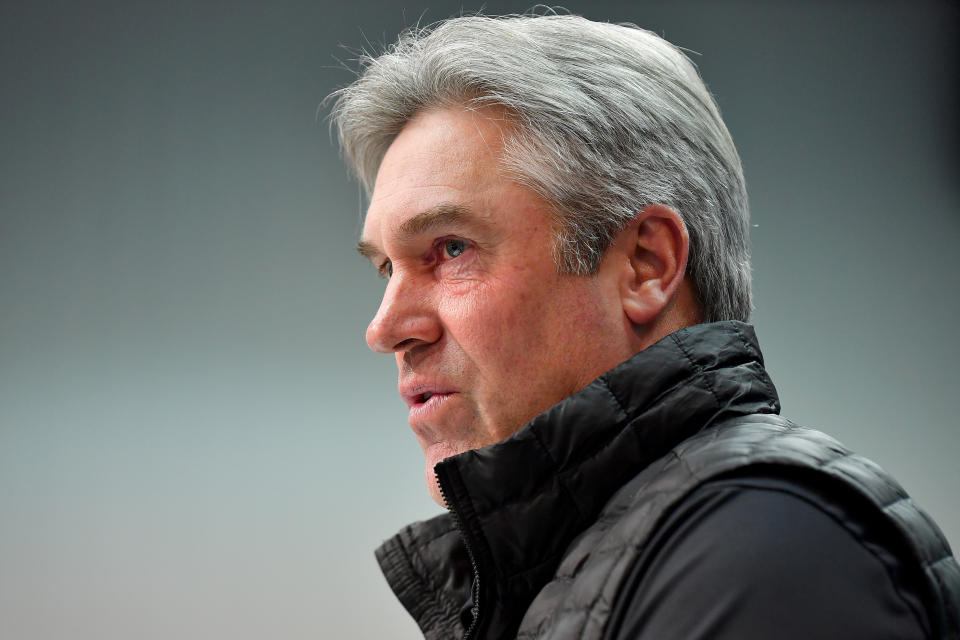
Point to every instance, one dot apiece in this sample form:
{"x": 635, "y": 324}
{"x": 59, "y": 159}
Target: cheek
{"x": 496, "y": 326}
{"x": 528, "y": 319}
{"x": 513, "y": 313}
{"x": 576, "y": 327}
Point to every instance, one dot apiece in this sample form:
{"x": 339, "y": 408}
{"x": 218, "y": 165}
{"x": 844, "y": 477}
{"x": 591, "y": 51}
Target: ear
{"x": 656, "y": 246}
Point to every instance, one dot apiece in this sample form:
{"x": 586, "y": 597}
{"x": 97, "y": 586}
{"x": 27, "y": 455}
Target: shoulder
{"x": 765, "y": 553}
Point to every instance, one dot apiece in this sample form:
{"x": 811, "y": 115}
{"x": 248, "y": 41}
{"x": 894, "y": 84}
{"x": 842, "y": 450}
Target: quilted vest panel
{"x": 578, "y": 602}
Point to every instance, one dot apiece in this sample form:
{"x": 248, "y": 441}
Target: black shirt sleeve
{"x": 754, "y": 557}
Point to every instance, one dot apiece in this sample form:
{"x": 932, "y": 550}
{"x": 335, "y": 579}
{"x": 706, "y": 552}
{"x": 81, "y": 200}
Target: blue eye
{"x": 454, "y": 247}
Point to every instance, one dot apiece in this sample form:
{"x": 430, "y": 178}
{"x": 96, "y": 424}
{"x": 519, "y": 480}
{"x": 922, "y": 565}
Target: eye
{"x": 454, "y": 247}
{"x": 386, "y": 269}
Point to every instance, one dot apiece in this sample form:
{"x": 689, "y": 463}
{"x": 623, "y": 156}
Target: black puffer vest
{"x": 545, "y": 525}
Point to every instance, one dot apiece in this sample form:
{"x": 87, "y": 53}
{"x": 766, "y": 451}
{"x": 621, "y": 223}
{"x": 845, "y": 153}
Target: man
{"x": 561, "y": 217}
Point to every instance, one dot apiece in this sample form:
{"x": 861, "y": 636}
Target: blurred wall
{"x": 195, "y": 440}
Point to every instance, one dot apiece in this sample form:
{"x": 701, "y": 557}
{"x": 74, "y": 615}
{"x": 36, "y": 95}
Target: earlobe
{"x": 656, "y": 246}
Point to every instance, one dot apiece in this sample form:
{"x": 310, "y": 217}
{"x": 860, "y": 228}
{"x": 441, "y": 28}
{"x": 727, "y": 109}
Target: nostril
{"x": 404, "y": 344}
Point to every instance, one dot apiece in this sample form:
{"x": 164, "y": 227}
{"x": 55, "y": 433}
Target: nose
{"x": 404, "y": 320}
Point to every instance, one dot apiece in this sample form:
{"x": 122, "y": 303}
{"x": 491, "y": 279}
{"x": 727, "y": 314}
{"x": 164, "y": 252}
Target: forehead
{"x": 445, "y": 156}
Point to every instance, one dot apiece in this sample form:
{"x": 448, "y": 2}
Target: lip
{"x": 424, "y": 398}
{"x": 419, "y": 392}
{"x": 423, "y": 411}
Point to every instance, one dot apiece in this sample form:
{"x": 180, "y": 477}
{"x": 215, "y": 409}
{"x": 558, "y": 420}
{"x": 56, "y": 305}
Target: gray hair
{"x": 607, "y": 119}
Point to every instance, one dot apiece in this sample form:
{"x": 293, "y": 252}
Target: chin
{"x": 433, "y": 455}
{"x": 438, "y": 452}
{"x": 433, "y": 488}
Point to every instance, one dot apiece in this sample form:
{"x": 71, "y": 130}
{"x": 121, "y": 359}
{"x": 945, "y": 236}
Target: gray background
{"x": 195, "y": 441}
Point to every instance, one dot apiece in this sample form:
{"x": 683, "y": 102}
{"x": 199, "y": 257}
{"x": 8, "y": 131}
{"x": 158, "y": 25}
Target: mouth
{"x": 423, "y": 398}
{"x": 425, "y": 403}
{"x": 416, "y": 394}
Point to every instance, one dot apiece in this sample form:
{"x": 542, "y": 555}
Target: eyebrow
{"x": 421, "y": 223}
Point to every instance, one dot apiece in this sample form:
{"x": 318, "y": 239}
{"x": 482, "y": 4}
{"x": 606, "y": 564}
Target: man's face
{"x": 486, "y": 333}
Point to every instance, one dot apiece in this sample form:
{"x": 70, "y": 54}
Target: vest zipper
{"x": 475, "y": 589}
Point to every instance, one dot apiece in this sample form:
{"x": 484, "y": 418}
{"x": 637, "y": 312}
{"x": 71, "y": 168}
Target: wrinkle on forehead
{"x": 456, "y": 154}
{"x": 488, "y": 124}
